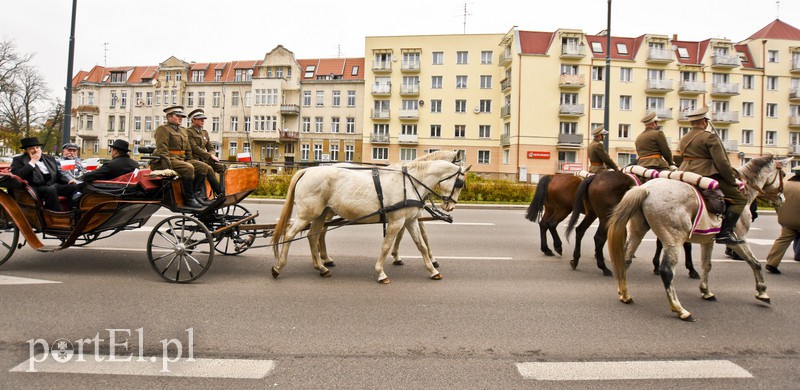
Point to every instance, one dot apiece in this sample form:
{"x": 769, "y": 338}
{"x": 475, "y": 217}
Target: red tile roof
{"x": 632, "y": 44}
{"x": 141, "y": 73}
{"x": 777, "y": 30}
{"x": 341, "y": 67}
{"x": 744, "y": 49}
{"x": 535, "y": 42}
{"x": 79, "y": 77}
{"x": 692, "y": 48}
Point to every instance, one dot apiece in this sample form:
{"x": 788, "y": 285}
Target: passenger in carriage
{"x": 203, "y": 151}
{"x": 69, "y": 153}
{"x": 598, "y": 156}
{"x": 121, "y": 163}
{"x": 172, "y": 146}
{"x": 43, "y": 174}
{"x": 704, "y": 155}
{"x": 652, "y": 147}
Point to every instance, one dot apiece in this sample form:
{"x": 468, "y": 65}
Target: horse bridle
{"x": 767, "y": 195}
{"x": 459, "y": 184}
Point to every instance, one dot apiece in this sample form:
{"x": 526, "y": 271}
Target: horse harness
{"x": 779, "y": 175}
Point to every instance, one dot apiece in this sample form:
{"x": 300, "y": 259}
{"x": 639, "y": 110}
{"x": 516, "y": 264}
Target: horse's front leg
{"x": 761, "y": 287}
{"x": 396, "y": 248}
{"x": 392, "y": 228}
{"x": 424, "y": 232}
{"x": 314, "y": 236}
{"x": 687, "y": 253}
{"x": 579, "y": 232}
{"x": 705, "y": 263}
{"x": 413, "y": 229}
{"x": 323, "y": 247}
{"x": 667, "y": 271}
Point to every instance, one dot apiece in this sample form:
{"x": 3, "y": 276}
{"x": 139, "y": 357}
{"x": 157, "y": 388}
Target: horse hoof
{"x": 325, "y": 274}
{"x": 549, "y": 253}
{"x": 398, "y": 262}
{"x": 329, "y": 264}
{"x": 384, "y": 281}
{"x": 275, "y": 273}
{"x": 437, "y": 277}
{"x": 710, "y": 298}
{"x": 694, "y": 275}
{"x": 688, "y": 318}
{"x": 607, "y": 272}
{"x": 656, "y": 272}
{"x": 764, "y": 299}
{"x": 435, "y": 264}
{"x": 626, "y": 300}
{"x": 573, "y": 264}
{"x": 558, "y": 250}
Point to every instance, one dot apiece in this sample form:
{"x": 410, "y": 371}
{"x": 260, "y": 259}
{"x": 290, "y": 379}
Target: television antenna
{"x": 105, "y": 54}
{"x": 465, "y": 17}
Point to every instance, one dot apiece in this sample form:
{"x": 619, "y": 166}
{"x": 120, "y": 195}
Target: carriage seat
{"x": 142, "y": 180}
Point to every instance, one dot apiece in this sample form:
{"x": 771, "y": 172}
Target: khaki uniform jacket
{"x": 704, "y": 155}
{"x": 652, "y": 142}
{"x": 789, "y": 212}
{"x": 200, "y": 143}
{"x": 171, "y": 138}
{"x": 599, "y": 157}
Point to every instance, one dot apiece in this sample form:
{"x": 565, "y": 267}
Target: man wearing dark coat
{"x": 120, "y": 164}
{"x": 43, "y": 174}
{"x": 599, "y": 160}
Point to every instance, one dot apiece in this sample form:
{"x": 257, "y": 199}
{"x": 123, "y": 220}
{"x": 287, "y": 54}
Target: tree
{"x": 10, "y": 62}
{"x": 23, "y": 92}
{"x": 51, "y": 132}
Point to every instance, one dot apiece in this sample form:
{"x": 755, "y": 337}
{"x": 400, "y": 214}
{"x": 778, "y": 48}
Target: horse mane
{"x": 751, "y": 171}
{"x": 447, "y": 155}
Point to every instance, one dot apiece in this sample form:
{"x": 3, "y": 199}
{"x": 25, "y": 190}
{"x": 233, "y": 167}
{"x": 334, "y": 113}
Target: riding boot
{"x": 725, "y": 235}
{"x": 189, "y": 201}
{"x": 199, "y": 186}
{"x": 215, "y": 185}
{"x": 222, "y": 182}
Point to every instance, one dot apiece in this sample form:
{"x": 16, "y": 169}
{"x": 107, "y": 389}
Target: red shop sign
{"x": 538, "y": 154}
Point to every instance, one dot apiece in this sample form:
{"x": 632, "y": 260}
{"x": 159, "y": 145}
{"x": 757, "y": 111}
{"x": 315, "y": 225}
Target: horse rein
{"x": 779, "y": 175}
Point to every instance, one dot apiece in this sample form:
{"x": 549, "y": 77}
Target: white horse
{"x": 352, "y": 194}
{"x": 445, "y": 155}
{"x": 669, "y": 208}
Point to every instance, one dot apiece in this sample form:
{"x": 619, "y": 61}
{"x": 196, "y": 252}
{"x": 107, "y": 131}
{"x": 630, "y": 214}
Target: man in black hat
{"x": 42, "y": 173}
{"x": 69, "y": 153}
{"x": 120, "y": 164}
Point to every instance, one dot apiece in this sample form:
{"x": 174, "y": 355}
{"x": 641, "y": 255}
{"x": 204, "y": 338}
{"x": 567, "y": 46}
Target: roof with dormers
{"x": 535, "y": 42}
{"x": 631, "y": 46}
{"x": 341, "y": 68}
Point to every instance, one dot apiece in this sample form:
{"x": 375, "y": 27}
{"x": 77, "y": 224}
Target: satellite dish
{"x": 154, "y": 81}
{"x": 674, "y": 47}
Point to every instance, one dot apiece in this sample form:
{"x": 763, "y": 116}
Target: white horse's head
{"x": 453, "y": 185}
{"x": 765, "y": 175}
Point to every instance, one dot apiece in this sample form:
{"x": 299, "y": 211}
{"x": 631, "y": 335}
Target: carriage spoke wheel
{"x": 234, "y": 241}
{"x": 9, "y": 237}
{"x": 180, "y": 249}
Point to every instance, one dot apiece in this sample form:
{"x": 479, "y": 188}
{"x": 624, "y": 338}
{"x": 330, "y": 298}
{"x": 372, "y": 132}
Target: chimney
{"x": 674, "y": 37}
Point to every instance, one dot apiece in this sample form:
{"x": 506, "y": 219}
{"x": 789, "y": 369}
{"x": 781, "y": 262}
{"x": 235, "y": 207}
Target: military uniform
{"x": 653, "y": 150}
{"x": 789, "y": 219}
{"x": 598, "y": 158}
{"x": 202, "y": 151}
{"x": 172, "y": 145}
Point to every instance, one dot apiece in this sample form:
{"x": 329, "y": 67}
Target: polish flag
{"x": 91, "y": 166}
{"x": 67, "y": 165}
{"x": 243, "y": 157}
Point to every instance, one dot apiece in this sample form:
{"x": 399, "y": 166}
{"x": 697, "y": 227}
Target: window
{"x": 189, "y": 99}
{"x": 624, "y": 131}
{"x": 349, "y": 153}
{"x": 794, "y": 138}
{"x": 148, "y": 98}
{"x": 248, "y": 98}
{"x": 567, "y": 157}
{"x": 243, "y": 75}
{"x": 460, "y": 131}
{"x": 318, "y": 124}
{"x": 568, "y": 127}
{"x": 335, "y": 124}
{"x": 771, "y": 137}
{"x": 623, "y": 159}
{"x": 506, "y": 156}
{"x": 334, "y": 151}
{"x": 461, "y": 105}
{"x": 408, "y": 129}
{"x": 436, "y": 105}
{"x": 747, "y": 82}
{"x": 683, "y": 52}
{"x": 198, "y": 76}
{"x": 309, "y": 71}
{"x": 320, "y": 98}
{"x": 380, "y": 153}
{"x": 625, "y": 102}
{"x": 772, "y": 83}
{"x": 148, "y": 123}
{"x": 123, "y": 100}
{"x": 747, "y": 109}
{"x": 111, "y": 120}
{"x": 121, "y": 123}
{"x": 436, "y": 82}
{"x": 353, "y": 72}
{"x": 654, "y": 103}
{"x": 201, "y": 99}
{"x": 215, "y": 124}
{"x": 622, "y": 49}
{"x": 234, "y": 123}
{"x": 461, "y": 57}
{"x": 351, "y": 98}
{"x": 747, "y": 137}
{"x": 232, "y": 148}
{"x": 598, "y": 101}
{"x": 304, "y": 151}
{"x": 336, "y": 98}
{"x": 306, "y": 128}
{"x": 317, "y": 152}
{"x": 597, "y": 47}
{"x": 598, "y": 73}
{"x": 484, "y": 156}
{"x": 772, "y": 56}
{"x": 484, "y": 131}
{"x": 461, "y": 82}
{"x": 687, "y": 105}
{"x": 350, "y": 125}
{"x": 569, "y": 69}
{"x": 235, "y": 99}
{"x": 436, "y": 131}
{"x": 113, "y": 99}
{"x": 408, "y": 154}
{"x": 772, "y": 110}
{"x": 485, "y": 105}
{"x": 306, "y": 99}
{"x": 569, "y": 98}
{"x": 486, "y": 56}
{"x": 683, "y": 131}
{"x": 486, "y": 82}
{"x": 437, "y": 58}
{"x": 137, "y": 123}
{"x": 625, "y": 74}
{"x": 247, "y": 124}
{"x": 215, "y": 98}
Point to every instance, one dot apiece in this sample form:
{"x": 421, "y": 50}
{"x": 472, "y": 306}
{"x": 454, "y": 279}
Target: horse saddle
{"x": 715, "y": 201}
{"x": 712, "y": 205}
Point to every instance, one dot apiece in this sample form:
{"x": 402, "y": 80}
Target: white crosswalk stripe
{"x": 630, "y": 370}
{"x": 12, "y": 280}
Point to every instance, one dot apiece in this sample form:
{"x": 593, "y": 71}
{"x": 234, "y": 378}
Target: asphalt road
{"x": 501, "y": 303}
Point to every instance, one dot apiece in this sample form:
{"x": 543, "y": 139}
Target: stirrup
{"x": 729, "y": 239}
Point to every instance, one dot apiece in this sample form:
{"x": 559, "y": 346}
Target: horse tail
{"x": 577, "y": 207}
{"x": 286, "y": 213}
{"x": 630, "y": 205}
{"x": 537, "y": 204}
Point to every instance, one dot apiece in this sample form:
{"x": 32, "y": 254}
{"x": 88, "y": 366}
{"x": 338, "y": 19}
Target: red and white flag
{"x": 91, "y": 166}
{"x": 67, "y": 165}
{"x": 243, "y": 157}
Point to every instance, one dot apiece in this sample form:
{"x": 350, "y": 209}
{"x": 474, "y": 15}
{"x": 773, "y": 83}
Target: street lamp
{"x": 65, "y": 138}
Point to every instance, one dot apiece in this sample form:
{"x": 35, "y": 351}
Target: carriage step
{"x": 49, "y": 248}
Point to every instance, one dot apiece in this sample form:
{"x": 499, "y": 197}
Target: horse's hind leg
{"x": 705, "y": 263}
{"x": 317, "y": 226}
{"x": 657, "y": 256}
{"x": 687, "y": 252}
{"x": 600, "y": 239}
{"x": 667, "y": 270}
{"x": 396, "y": 248}
{"x": 543, "y": 227}
{"x": 761, "y": 288}
{"x": 579, "y": 232}
{"x": 413, "y": 229}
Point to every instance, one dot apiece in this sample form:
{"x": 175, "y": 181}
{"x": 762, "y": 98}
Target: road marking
{"x": 461, "y": 257}
{"x": 11, "y": 280}
{"x": 755, "y": 241}
{"x": 152, "y": 366}
{"x": 676, "y": 369}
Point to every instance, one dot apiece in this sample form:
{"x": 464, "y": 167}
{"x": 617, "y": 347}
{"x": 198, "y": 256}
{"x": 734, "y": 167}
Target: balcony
{"x": 658, "y": 86}
{"x": 692, "y": 88}
{"x": 795, "y": 65}
{"x": 290, "y": 109}
{"x": 572, "y": 81}
{"x": 724, "y": 61}
{"x": 87, "y": 134}
{"x": 794, "y": 150}
{"x": 381, "y": 89}
{"x": 725, "y": 116}
{"x": 659, "y": 56}
{"x": 573, "y": 51}
{"x": 409, "y": 114}
{"x": 86, "y": 109}
{"x": 380, "y": 114}
{"x": 505, "y": 84}
{"x": 410, "y": 66}
{"x": 379, "y": 138}
{"x": 731, "y": 145}
{"x": 724, "y": 89}
{"x": 570, "y": 110}
{"x": 505, "y": 111}
{"x": 271, "y": 135}
{"x": 505, "y": 139}
{"x": 794, "y": 95}
{"x": 408, "y": 139}
{"x": 661, "y": 113}
{"x": 382, "y": 66}
{"x": 570, "y": 140}
{"x": 288, "y": 135}
{"x": 504, "y": 58}
{"x": 794, "y": 121}
{"x": 407, "y": 90}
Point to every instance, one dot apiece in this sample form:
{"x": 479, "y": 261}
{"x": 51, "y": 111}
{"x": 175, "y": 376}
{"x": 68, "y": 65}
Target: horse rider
{"x": 652, "y": 147}
{"x": 203, "y": 151}
{"x": 69, "y": 152}
{"x": 789, "y": 219}
{"x": 598, "y": 157}
{"x": 172, "y": 146}
{"x": 704, "y": 154}
{"x": 43, "y": 174}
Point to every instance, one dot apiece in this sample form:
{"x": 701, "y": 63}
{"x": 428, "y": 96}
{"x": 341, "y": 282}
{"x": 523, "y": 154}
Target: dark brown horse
{"x": 551, "y": 204}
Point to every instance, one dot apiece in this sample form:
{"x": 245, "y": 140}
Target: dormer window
{"x": 622, "y": 49}
{"x": 597, "y": 47}
{"x": 354, "y": 71}
{"x": 118, "y": 77}
{"x": 683, "y": 53}
{"x": 309, "y": 72}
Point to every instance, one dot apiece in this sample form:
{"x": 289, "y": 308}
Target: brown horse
{"x": 551, "y": 204}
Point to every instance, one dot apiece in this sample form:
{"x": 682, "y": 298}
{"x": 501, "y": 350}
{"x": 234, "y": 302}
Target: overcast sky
{"x": 146, "y": 32}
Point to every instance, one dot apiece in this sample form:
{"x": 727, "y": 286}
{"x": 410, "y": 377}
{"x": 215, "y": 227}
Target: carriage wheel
{"x": 177, "y": 249}
{"x": 9, "y": 237}
{"x": 234, "y": 241}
